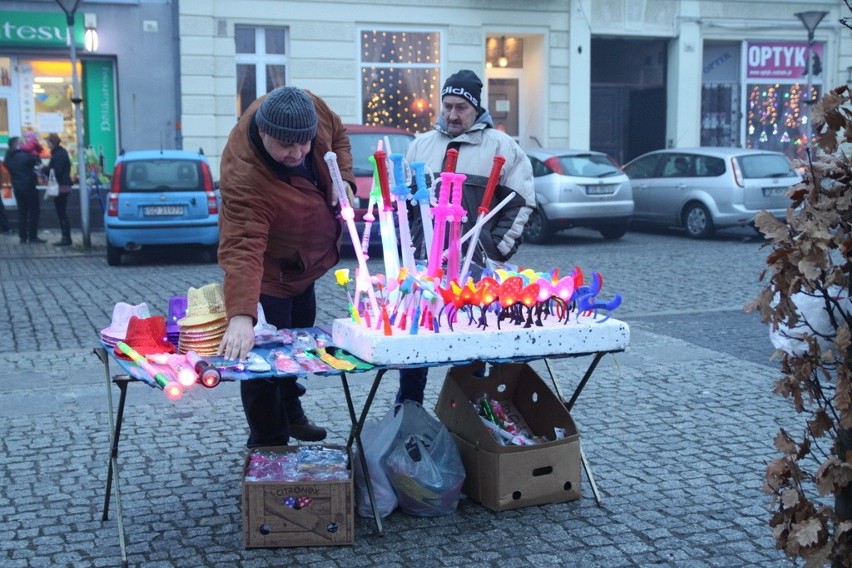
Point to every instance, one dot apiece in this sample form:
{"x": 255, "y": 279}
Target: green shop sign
{"x": 38, "y": 29}
{"x": 99, "y": 106}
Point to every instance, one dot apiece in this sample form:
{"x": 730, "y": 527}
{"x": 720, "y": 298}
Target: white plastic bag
{"x": 376, "y": 437}
{"x": 814, "y": 320}
{"x": 424, "y": 465}
{"x": 52, "y": 186}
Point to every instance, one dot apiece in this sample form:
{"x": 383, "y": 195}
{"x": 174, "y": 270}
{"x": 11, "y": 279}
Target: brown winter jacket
{"x": 277, "y": 236}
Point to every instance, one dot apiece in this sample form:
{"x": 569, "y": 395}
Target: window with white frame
{"x": 261, "y": 58}
{"x": 400, "y": 74}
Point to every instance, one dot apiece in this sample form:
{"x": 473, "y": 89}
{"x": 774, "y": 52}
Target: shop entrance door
{"x": 504, "y": 103}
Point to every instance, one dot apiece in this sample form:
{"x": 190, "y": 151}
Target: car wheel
{"x": 536, "y": 230}
{"x": 213, "y": 251}
{"x": 697, "y": 221}
{"x": 113, "y": 255}
{"x": 613, "y": 233}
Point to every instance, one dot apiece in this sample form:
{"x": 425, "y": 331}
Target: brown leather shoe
{"x": 305, "y": 430}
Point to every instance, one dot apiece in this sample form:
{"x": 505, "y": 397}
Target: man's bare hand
{"x": 238, "y": 339}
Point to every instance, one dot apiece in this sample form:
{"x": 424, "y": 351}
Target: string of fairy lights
{"x": 777, "y": 116}
{"x": 400, "y": 76}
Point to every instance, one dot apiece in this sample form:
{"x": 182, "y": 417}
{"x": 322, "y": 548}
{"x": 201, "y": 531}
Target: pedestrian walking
{"x": 23, "y": 164}
{"x": 60, "y": 163}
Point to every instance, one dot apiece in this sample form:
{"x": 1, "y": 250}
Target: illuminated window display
{"x": 777, "y": 75}
{"x": 400, "y": 78}
{"x": 777, "y": 116}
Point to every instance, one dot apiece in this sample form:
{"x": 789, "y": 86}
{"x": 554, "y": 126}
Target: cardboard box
{"x": 269, "y": 522}
{"x": 508, "y": 477}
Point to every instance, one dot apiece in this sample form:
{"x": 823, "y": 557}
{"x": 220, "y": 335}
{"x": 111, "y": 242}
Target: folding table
{"x": 122, "y": 380}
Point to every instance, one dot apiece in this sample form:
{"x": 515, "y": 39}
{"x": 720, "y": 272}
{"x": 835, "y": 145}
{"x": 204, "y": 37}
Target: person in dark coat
{"x": 5, "y": 226}
{"x": 60, "y": 163}
{"x": 22, "y": 169}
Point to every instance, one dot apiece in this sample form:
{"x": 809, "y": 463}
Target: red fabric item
{"x": 146, "y": 336}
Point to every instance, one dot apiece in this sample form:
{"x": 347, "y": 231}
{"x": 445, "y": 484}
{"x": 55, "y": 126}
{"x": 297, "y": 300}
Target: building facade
{"x": 623, "y": 76}
{"x": 128, "y": 81}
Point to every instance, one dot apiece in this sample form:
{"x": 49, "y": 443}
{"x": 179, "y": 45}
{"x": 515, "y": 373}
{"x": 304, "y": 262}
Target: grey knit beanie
{"x": 288, "y": 115}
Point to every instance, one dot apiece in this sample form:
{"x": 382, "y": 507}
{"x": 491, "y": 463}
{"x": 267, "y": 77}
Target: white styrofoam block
{"x": 467, "y": 343}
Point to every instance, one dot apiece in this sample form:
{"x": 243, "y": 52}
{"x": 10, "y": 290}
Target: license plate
{"x": 774, "y": 191}
{"x": 600, "y": 189}
{"x": 161, "y": 210}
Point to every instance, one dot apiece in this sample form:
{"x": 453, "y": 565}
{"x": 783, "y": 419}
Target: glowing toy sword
{"x": 424, "y": 198}
{"x": 386, "y": 224}
{"x": 484, "y": 206}
{"x": 362, "y": 278}
{"x": 457, "y": 216}
{"x": 440, "y": 212}
{"x": 402, "y": 193}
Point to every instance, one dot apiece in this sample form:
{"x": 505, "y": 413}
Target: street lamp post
{"x": 70, "y": 8}
{"x": 810, "y": 20}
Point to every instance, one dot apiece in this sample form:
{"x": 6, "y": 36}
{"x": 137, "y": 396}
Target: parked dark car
{"x": 161, "y": 197}
{"x": 364, "y": 142}
{"x": 705, "y": 189}
{"x": 578, "y": 188}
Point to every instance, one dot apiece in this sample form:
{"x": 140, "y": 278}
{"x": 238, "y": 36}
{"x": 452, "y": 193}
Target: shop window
{"x": 5, "y": 72}
{"x": 400, "y": 76}
{"x": 261, "y": 59}
{"x": 504, "y": 52}
{"x": 776, "y": 117}
{"x": 720, "y": 112}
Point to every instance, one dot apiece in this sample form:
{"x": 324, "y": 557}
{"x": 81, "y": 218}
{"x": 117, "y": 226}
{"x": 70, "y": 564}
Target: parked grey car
{"x": 704, "y": 189}
{"x": 578, "y": 188}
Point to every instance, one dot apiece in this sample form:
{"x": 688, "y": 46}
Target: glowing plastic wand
{"x": 173, "y": 390}
{"x": 386, "y": 224}
{"x": 402, "y": 193}
{"x": 440, "y": 213}
{"x": 484, "y": 206}
{"x": 362, "y": 279}
{"x": 457, "y": 216}
{"x": 423, "y": 197}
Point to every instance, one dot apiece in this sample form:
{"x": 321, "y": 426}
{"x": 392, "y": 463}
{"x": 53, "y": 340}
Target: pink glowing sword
{"x": 362, "y": 276}
{"x": 440, "y": 213}
{"x": 457, "y": 217}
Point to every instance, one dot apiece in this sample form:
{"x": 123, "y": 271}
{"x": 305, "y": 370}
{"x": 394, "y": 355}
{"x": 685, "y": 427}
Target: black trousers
{"x": 269, "y": 403}
{"x": 60, "y": 203}
{"x": 29, "y": 209}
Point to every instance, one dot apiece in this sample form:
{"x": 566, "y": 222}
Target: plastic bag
{"x": 424, "y": 465}
{"x": 52, "y": 186}
{"x": 376, "y": 438}
{"x": 813, "y": 320}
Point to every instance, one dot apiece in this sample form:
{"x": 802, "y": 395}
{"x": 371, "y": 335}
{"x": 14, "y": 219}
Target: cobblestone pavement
{"x": 677, "y": 429}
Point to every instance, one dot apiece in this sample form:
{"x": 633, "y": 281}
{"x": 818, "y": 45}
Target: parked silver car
{"x": 704, "y": 189}
{"x": 578, "y": 188}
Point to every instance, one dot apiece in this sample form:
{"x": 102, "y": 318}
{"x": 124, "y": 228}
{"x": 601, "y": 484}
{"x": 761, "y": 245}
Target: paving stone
{"x": 661, "y": 424}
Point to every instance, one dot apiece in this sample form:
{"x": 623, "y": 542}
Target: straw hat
{"x": 146, "y": 336}
{"x": 121, "y": 314}
{"x": 204, "y": 305}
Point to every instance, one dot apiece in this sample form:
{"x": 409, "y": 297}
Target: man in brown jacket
{"x": 279, "y": 233}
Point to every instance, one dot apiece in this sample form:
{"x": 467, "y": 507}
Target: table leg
{"x": 355, "y": 436}
{"x": 588, "y": 470}
{"x": 569, "y": 405}
{"x": 592, "y": 366}
{"x": 115, "y": 434}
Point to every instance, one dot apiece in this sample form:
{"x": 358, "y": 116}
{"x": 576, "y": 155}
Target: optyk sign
{"x": 782, "y": 60}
